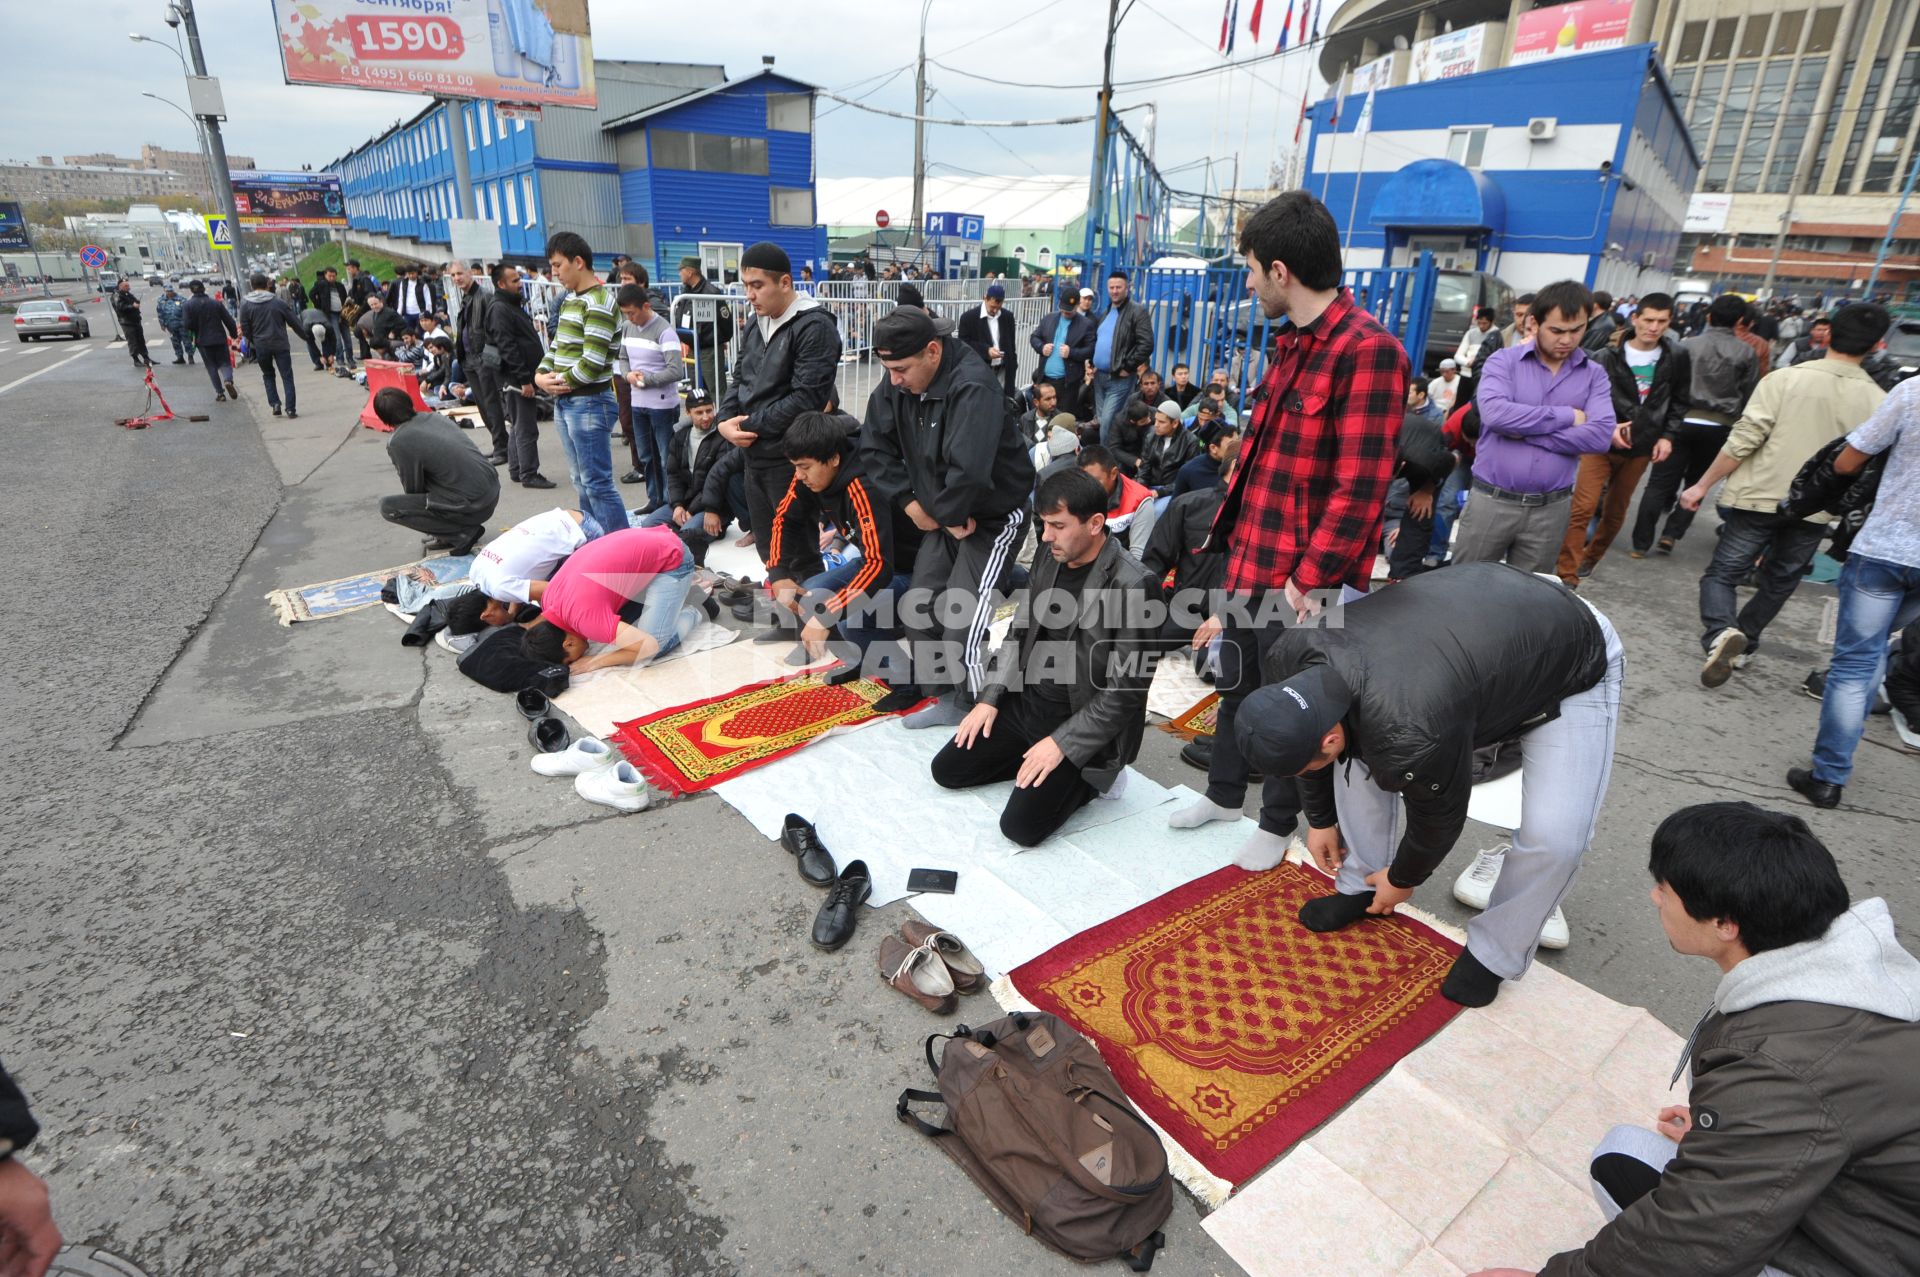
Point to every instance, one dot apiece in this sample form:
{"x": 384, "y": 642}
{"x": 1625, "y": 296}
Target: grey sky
{"x": 75, "y": 92}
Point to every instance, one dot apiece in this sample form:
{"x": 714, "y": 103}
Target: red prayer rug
{"x": 1198, "y": 721}
{"x": 1232, "y": 1025}
{"x": 695, "y": 747}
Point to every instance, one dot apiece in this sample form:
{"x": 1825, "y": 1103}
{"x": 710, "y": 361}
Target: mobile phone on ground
{"x": 944, "y": 881}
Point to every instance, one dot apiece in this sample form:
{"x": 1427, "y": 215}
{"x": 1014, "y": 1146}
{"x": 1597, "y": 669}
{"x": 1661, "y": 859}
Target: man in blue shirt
{"x": 1064, "y": 340}
{"x": 1123, "y": 347}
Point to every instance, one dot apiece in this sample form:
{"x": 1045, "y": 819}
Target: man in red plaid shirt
{"x": 1304, "y": 512}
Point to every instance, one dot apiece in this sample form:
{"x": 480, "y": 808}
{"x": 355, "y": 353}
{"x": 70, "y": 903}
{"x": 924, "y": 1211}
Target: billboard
{"x": 503, "y": 50}
{"x": 1377, "y": 74}
{"x": 1580, "y": 27}
{"x": 1707, "y": 214}
{"x": 1451, "y": 54}
{"x": 288, "y": 201}
{"x": 13, "y": 228}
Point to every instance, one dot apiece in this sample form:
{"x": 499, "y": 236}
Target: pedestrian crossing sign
{"x": 219, "y": 235}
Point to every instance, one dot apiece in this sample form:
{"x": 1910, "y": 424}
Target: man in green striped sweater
{"x": 578, "y": 373}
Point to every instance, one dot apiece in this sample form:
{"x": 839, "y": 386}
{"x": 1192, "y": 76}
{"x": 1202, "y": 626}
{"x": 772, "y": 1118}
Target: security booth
{"x": 954, "y": 240}
{"x": 1440, "y": 207}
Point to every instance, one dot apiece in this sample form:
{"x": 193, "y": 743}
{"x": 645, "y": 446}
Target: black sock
{"x": 1330, "y": 913}
{"x": 1469, "y": 982}
{"x": 899, "y": 700}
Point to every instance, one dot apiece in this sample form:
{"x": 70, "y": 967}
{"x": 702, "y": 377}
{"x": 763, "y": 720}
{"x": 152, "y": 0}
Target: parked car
{"x": 1456, "y": 295}
{"x": 1903, "y": 347}
{"x": 57, "y": 318}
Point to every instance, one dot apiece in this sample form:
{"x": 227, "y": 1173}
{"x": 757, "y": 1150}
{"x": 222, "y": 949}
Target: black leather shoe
{"x": 814, "y": 860}
{"x": 537, "y": 481}
{"x": 833, "y": 925}
{"x": 548, "y": 735}
{"x": 1198, "y": 752}
{"x": 532, "y": 703}
{"x": 1817, "y": 792}
{"x": 743, "y": 610}
{"x": 711, "y": 607}
{"x": 633, "y": 476}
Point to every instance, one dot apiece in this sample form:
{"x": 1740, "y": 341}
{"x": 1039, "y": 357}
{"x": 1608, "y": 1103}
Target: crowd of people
{"x": 1134, "y": 518}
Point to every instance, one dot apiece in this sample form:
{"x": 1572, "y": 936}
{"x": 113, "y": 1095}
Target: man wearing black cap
{"x": 1064, "y": 341}
{"x": 989, "y": 331}
{"x": 789, "y": 356}
{"x": 941, "y": 443}
{"x": 1378, "y": 714}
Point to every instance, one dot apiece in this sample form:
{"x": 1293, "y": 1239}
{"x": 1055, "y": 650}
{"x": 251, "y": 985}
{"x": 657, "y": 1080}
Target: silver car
{"x": 49, "y": 319}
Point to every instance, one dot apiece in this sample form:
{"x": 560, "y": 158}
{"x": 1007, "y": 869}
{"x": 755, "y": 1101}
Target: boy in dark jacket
{"x": 512, "y": 334}
{"x": 1799, "y": 1148}
{"x": 855, "y": 602}
{"x": 1400, "y": 688}
{"x": 1650, "y": 377}
{"x": 1215, "y": 438}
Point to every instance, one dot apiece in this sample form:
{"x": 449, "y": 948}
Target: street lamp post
{"x": 180, "y": 13}
{"x": 199, "y": 130}
{"x": 196, "y": 125}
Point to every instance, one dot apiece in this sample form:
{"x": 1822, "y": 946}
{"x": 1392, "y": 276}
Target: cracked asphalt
{"x": 306, "y": 972}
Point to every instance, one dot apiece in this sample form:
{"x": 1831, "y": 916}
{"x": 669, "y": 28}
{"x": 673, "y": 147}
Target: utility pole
{"x": 1893, "y": 227}
{"x": 917, "y": 226}
{"x": 457, "y": 143}
{"x": 216, "y": 146}
{"x": 1810, "y": 145}
{"x": 1097, "y": 186}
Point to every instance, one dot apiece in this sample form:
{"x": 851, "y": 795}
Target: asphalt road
{"x": 307, "y": 973}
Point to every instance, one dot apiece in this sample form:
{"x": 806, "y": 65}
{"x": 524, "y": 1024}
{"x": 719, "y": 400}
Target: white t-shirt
{"x": 1641, "y": 363}
{"x": 1443, "y": 392}
{"x": 528, "y": 551}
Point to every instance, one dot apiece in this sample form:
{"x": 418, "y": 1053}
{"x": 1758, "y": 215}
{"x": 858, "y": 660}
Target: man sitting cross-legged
{"x": 854, "y": 602}
{"x": 627, "y": 589}
{"x": 1064, "y": 706}
{"x": 1378, "y": 713}
{"x": 1798, "y": 1151}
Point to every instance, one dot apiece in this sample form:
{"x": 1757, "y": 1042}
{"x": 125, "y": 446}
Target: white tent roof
{"x": 1040, "y": 202}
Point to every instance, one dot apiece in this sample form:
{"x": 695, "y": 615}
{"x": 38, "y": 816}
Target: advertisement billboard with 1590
{"x": 536, "y": 51}
{"x": 288, "y": 201}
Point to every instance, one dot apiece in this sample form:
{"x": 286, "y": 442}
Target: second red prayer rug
{"x": 1230, "y": 1024}
{"x": 694, "y": 747}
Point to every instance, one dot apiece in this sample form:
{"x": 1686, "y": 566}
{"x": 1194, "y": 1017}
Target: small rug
{"x": 694, "y": 747}
{"x": 351, "y": 593}
{"x": 1231, "y": 1025}
{"x": 1198, "y": 721}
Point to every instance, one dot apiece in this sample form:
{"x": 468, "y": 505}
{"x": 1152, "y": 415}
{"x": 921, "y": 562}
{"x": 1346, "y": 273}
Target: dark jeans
{"x": 219, "y": 367}
{"x": 1033, "y": 813}
{"x": 737, "y": 499}
{"x": 137, "y": 344}
{"x": 649, "y": 436}
{"x": 409, "y": 510}
{"x": 1242, "y": 649}
{"x": 269, "y": 360}
{"x": 1410, "y": 547}
{"x": 523, "y": 443}
{"x": 486, "y": 397}
{"x": 1694, "y": 448}
{"x": 1788, "y": 544}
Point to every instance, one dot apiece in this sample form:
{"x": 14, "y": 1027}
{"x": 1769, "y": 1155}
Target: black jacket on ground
{"x": 1082, "y": 332}
{"x": 209, "y": 321}
{"x": 17, "y": 1127}
{"x": 984, "y": 334}
{"x": 433, "y": 457}
{"x": 1179, "y": 535}
{"x": 500, "y": 661}
{"x": 1660, "y": 413}
{"x": 1439, "y": 665}
{"x": 511, "y": 331}
{"x": 776, "y": 380}
{"x": 955, "y": 448}
{"x": 861, "y": 515}
{"x": 1161, "y": 459}
{"x": 686, "y": 484}
{"x": 265, "y": 320}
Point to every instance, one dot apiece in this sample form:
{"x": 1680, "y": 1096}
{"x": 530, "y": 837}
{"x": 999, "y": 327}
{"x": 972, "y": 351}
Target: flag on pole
{"x": 1233, "y": 25}
{"x": 1254, "y": 25}
{"x": 1226, "y": 26}
{"x": 1286, "y": 25}
{"x": 1301, "y": 122}
{"x": 1316, "y": 22}
{"x": 1364, "y": 125}
{"x": 1305, "y": 8}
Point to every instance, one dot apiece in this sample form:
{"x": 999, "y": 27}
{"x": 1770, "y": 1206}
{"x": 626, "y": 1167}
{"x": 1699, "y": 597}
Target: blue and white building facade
{"x": 1576, "y": 167}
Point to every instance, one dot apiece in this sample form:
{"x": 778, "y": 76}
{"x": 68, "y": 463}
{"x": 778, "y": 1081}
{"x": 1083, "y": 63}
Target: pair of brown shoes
{"x": 930, "y": 966}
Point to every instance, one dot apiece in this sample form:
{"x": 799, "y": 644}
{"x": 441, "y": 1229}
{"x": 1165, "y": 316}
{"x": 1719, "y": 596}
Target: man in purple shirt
{"x": 1542, "y": 405}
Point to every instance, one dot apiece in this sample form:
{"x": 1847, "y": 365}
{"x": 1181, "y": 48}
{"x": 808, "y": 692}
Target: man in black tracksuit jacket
{"x": 789, "y": 357}
{"x": 24, "y": 1217}
{"x": 480, "y": 359}
{"x": 942, "y": 444}
{"x": 512, "y": 335}
{"x": 830, "y": 487}
{"x": 1384, "y": 704}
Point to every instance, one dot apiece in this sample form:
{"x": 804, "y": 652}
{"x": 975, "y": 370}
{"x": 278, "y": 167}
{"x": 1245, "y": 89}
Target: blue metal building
{"x": 721, "y": 167}
{"x": 1575, "y": 167}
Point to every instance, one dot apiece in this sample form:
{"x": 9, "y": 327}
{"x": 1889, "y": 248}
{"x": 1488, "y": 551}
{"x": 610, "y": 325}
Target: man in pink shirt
{"x": 626, "y": 590}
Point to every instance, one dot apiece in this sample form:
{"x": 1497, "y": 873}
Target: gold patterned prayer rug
{"x": 1198, "y": 721}
{"x": 1232, "y": 1025}
{"x": 694, "y": 747}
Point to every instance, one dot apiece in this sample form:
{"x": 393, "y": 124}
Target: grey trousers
{"x": 1527, "y": 536}
{"x": 1564, "y": 768}
{"x": 409, "y": 510}
{"x": 1652, "y": 1150}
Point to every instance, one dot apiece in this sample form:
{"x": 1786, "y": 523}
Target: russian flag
{"x": 1226, "y": 26}
{"x": 1254, "y": 25}
{"x": 1286, "y": 25}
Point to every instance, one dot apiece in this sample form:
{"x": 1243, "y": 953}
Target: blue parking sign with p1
{"x": 219, "y": 235}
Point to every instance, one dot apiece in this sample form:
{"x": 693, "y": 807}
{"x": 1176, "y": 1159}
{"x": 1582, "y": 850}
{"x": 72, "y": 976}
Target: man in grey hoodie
{"x": 1798, "y": 1154}
{"x": 265, "y": 321}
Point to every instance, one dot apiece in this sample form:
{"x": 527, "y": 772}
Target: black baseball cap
{"x": 906, "y": 330}
{"x": 1280, "y": 726}
{"x": 698, "y": 399}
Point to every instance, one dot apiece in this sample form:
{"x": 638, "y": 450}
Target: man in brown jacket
{"x": 1798, "y": 1154}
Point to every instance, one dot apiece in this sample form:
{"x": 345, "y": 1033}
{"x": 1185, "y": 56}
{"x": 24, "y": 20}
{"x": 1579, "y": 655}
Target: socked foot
{"x": 1330, "y": 913}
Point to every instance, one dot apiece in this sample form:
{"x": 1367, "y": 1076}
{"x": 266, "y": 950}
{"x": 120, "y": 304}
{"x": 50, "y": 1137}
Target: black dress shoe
{"x": 537, "y": 481}
{"x": 434, "y": 545}
{"x": 899, "y": 700}
{"x": 842, "y": 674}
{"x": 743, "y": 610}
{"x": 548, "y": 735}
{"x": 833, "y": 925}
{"x": 497, "y": 458}
{"x": 711, "y": 607}
{"x": 1198, "y": 752}
{"x": 1818, "y": 792}
{"x": 464, "y": 544}
{"x": 633, "y": 476}
{"x": 532, "y": 703}
{"x": 815, "y": 861}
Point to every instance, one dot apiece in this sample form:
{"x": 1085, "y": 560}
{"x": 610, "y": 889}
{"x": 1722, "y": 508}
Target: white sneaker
{"x": 396, "y": 609}
{"x": 584, "y": 755}
{"x": 460, "y": 645}
{"x": 618, "y": 786}
{"x": 1554, "y": 935}
{"x": 1474, "y": 887}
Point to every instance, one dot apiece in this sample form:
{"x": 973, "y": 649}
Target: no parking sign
{"x": 93, "y": 256}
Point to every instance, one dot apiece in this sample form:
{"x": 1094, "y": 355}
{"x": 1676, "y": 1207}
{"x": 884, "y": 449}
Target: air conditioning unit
{"x": 1541, "y": 128}
{"x": 1646, "y": 260}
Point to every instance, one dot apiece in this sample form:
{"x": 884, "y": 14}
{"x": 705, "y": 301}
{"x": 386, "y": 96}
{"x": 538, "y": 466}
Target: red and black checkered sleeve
{"x": 1372, "y": 381}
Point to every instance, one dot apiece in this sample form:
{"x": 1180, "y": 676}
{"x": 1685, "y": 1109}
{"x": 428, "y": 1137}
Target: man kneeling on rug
{"x": 510, "y": 572}
{"x": 1398, "y": 689}
{"x": 1064, "y": 706}
{"x": 627, "y": 589}
{"x": 1799, "y": 1147}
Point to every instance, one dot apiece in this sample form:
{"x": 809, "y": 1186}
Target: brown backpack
{"x": 1036, "y": 1118}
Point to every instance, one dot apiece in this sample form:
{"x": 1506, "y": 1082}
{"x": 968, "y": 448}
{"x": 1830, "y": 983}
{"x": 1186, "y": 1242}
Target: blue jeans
{"x": 1876, "y": 598}
{"x": 653, "y": 435}
{"x": 661, "y": 609}
{"x": 1110, "y": 395}
{"x": 869, "y": 620}
{"x": 342, "y": 342}
{"x": 586, "y": 433}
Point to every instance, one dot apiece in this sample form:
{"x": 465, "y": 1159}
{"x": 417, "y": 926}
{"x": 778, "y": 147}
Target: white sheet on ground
{"x": 1176, "y": 688}
{"x": 710, "y": 663}
{"x": 735, "y": 560}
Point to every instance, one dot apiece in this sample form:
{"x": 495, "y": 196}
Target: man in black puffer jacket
{"x": 1386, "y": 702}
